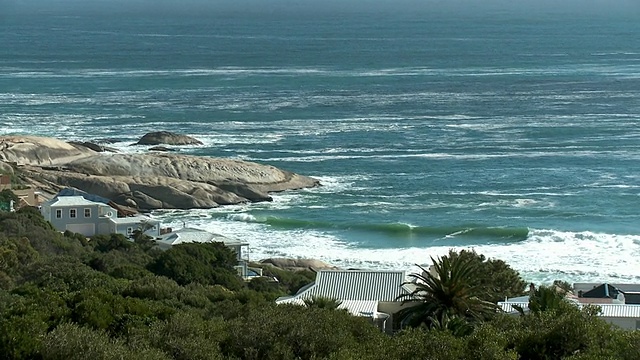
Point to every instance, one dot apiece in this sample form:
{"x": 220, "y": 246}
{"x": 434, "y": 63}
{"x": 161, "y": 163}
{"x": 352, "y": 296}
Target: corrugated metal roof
{"x": 607, "y": 310}
{"x": 359, "y": 285}
{"x": 192, "y": 235}
{"x": 508, "y": 306}
{"x": 366, "y": 308}
{"x": 356, "y": 285}
{"x": 620, "y": 310}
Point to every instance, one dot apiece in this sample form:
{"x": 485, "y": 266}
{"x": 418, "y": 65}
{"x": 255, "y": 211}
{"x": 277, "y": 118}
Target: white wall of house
{"x": 392, "y": 308}
{"x": 82, "y": 217}
{"x": 89, "y": 218}
{"x": 624, "y": 323}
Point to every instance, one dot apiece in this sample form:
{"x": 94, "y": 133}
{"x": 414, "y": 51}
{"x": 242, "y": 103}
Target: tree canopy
{"x": 64, "y": 297}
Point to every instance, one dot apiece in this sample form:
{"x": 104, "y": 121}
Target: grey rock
{"x": 168, "y": 138}
{"x": 33, "y": 150}
{"x": 297, "y": 264}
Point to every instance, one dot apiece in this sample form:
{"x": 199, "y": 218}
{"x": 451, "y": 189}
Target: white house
{"x": 371, "y": 294}
{"x": 611, "y": 301}
{"x": 89, "y": 218}
{"x": 192, "y": 235}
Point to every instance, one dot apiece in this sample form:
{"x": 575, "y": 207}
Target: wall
{"x": 624, "y": 323}
{"x": 391, "y": 308}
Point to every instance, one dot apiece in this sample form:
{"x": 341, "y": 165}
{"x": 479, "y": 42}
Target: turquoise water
{"x": 513, "y": 133}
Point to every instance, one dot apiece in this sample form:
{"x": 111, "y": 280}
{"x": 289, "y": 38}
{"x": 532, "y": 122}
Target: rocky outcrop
{"x": 143, "y": 192}
{"x": 297, "y": 264}
{"x": 93, "y": 146}
{"x": 149, "y": 181}
{"x": 167, "y": 138}
{"x": 33, "y": 150}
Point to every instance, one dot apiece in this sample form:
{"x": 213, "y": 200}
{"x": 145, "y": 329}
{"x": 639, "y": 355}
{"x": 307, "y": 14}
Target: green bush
{"x": 207, "y": 264}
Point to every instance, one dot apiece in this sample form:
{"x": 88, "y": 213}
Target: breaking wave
{"x": 396, "y": 230}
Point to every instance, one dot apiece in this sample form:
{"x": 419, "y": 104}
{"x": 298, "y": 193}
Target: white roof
{"x": 354, "y": 285}
{"x": 191, "y": 235}
{"x": 134, "y": 220}
{"x": 360, "y": 291}
{"x": 72, "y": 201}
{"x": 366, "y": 308}
{"x": 607, "y": 310}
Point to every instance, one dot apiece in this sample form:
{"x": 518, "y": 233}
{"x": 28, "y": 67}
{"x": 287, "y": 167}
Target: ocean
{"x": 513, "y": 133}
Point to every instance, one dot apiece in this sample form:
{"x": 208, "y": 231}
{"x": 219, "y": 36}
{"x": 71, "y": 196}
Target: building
{"x": 617, "y": 307}
{"x": 89, "y": 218}
{"x": 192, "y": 235}
{"x": 25, "y": 194}
{"x": 371, "y": 294}
{"x": 630, "y": 292}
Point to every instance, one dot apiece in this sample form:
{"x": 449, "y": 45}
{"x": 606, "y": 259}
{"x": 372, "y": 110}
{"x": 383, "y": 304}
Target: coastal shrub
{"x": 495, "y": 279}
{"x": 184, "y": 336}
{"x": 20, "y": 336}
{"x": 130, "y": 272}
{"x": 267, "y": 286}
{"x": 558, "y": 332}
{"x": 207, "y": 264}
{"x": 153, "y": 288}
{"x": 108, "y": 262}
{"x": 104, "y": 310}
{"x": 7, "y": 195}
{"x": 29, "y": 224}
{"x": 421, "y": 343}
{"x": 26, "y": 314}
{"x": 71, "y": 342}
{"x": 64, "y": 273}
{"x": 288, "y": 281}
{"x": 295, "y": 332}
{"x": 488, "y": 342}
{"x": 106, "y": 243}
{"x": 16, "y": 253}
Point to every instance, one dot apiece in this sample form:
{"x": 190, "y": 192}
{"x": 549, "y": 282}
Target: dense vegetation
{"x": 63, "y": 297}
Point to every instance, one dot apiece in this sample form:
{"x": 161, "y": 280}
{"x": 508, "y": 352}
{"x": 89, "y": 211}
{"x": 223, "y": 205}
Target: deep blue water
{"x": 514, "y": 133}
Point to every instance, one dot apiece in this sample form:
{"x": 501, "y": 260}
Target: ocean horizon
{"x": 512, "y": 132}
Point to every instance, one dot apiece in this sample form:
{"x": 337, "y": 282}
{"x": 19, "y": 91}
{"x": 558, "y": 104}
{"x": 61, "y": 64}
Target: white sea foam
{"x": 544, "y": 256}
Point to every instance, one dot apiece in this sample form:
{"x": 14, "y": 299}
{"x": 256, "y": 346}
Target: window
{"x": 87, "y": 212}
{"x": 58, "y": 213}
{"x": 73, "y": 213}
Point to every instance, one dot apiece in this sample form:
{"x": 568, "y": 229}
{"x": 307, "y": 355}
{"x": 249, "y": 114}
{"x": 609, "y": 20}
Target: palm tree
{"x": 322, "y": 302}
{"x": 451, "y": 292}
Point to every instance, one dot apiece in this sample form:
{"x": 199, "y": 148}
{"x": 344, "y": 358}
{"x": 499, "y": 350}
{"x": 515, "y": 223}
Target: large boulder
{"x": 167, "y": 138}
{"x": 34, "y": 150}
{"x": 297, "y": 264}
